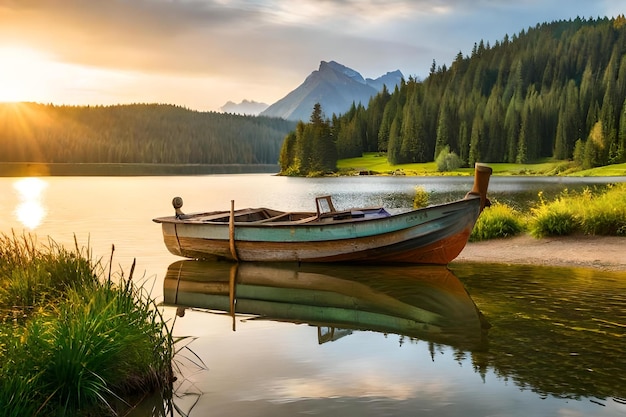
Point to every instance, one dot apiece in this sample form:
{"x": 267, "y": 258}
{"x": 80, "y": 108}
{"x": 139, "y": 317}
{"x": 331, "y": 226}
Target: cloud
{"x": 270, "y": 42}
{"x": 211, "y": 36}
{"x": 135, "y": 34}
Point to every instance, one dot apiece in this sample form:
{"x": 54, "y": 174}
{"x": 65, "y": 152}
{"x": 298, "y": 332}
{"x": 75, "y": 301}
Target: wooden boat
{"x": 431, "y": 235}
{"x": 424, "y": 302}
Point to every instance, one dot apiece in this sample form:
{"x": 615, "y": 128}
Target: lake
{"x": 498, "y": 340}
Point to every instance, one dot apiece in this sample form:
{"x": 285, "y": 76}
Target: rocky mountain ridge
{"x": 333, "y": 85}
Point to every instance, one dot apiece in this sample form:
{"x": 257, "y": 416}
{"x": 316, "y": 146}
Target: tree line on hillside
{"x": 556, "y": 90}
{"x": 137, "y": 133}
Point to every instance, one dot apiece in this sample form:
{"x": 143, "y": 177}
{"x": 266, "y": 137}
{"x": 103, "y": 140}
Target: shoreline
{"x": 96, "y": 169}
{"x": 25, "y": 169}
{"x": 605, "y": 253}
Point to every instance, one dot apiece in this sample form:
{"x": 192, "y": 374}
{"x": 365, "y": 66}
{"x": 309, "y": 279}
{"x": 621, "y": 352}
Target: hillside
{"x": 138, "y": 133}
{"x": 557, "y": 90}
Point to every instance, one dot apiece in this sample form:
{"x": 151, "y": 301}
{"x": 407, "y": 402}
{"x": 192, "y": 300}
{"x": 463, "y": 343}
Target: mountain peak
{"x": 246, "y": 107}
{"x": 335, "y": 87}
{"x": 342, "y": 69}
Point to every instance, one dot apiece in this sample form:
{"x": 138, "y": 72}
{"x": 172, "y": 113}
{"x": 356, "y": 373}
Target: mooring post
{"x": 231, "y": 231}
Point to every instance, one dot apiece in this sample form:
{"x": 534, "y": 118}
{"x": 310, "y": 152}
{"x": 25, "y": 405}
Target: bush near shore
{"x": 72, "y": 341}
{"x": 587, "y": 212}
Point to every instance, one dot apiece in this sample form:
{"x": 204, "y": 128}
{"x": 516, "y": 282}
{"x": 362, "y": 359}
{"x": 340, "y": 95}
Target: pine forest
{"x": 137, "y": 133}
{"x": 557, "y": 90}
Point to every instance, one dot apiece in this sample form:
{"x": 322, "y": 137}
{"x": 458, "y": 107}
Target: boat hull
{"x": 431, "y": 235}
{"x": 434, "y": 235}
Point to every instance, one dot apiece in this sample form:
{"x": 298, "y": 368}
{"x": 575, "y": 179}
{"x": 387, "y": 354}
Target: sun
{"x": 22, "y": 74}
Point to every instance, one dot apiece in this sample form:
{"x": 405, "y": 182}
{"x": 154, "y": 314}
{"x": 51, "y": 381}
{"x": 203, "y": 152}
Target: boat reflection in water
{"x": 422, "y": 302}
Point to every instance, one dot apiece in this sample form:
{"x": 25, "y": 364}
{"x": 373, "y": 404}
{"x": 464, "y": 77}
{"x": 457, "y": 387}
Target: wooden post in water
{"x": 232, "y": 293}
{"x": 231, "y": 231}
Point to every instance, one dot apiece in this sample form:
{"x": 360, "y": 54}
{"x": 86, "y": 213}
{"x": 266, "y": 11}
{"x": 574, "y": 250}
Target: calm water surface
{"x": 471, "y": 340}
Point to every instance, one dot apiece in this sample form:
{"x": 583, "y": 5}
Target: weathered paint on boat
{"x": 432, "y": 235}
{"x": 426, "y": 302}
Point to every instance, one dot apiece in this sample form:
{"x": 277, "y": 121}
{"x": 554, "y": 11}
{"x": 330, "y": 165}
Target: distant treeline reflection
{"x": 13, "y": 169}
{"x": 555, "y": 331}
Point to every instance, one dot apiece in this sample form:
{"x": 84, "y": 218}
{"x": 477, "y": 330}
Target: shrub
{"x": 557, "y": 218}
{"x": 447, "y": 161}
{"x": 421, "y": 197}
{"x": 552, "y": 221}
{"x": 497, "y": 221}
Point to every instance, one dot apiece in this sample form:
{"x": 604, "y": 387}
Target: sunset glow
{"x": 201, "y": 54}
{"x": 27, "y": 75}
{"x": 20, "y": 74}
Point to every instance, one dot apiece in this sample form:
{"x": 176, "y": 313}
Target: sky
{"x": 202, "y": 53}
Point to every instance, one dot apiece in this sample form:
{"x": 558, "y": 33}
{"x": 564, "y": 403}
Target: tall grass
{"x": 71, "y": 339}
{"x": 588, "y": 212}
{"x": 497, "y": 221}
{"x": 33, "y": 276}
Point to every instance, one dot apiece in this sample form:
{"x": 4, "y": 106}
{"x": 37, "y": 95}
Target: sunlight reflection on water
{"x": 30, "y": 211}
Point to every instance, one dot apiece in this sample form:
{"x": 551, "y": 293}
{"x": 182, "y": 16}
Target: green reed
{"x": 73, "y": 340}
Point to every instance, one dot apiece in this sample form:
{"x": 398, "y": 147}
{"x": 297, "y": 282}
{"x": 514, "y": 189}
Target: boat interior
{"x": 325, "y": 212}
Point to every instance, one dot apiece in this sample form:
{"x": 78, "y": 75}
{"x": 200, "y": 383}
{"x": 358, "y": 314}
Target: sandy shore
{"x": 601, "y": 252}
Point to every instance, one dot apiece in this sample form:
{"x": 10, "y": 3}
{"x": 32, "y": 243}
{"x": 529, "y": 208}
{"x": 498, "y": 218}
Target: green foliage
{"x": 605, "y": 214}
{"x": 311, "y": 149}
{"x": 74, "y": 341}
{"x": 17, "y": 397}
{"x": 137, "y": 133}
{"x": 579, "y": 152}
{"x": 287, "y": 158}
{"x": 587, "y": 212}
{"x": 421, "y": 197}
{"x": 497, "y": 221}
{"x": 33, "y": 278}
{"x": 448, "y": 161}
{"x": 556, "y": 219}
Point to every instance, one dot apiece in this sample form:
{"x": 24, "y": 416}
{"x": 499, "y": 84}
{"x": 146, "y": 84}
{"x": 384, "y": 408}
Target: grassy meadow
{"x": 74, "y": 340}
{"x": 376, "y": 164}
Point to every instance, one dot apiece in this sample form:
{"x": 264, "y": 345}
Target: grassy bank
{"x": 588, "y": 212}
{"x": 375, "y": 164}
{"x": 74, "y": 340}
